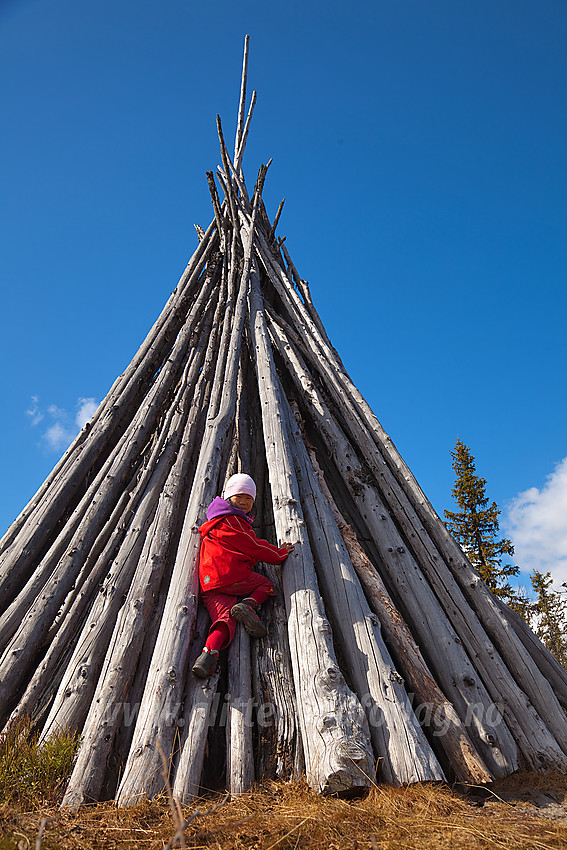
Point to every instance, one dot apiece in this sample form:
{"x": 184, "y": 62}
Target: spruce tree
{"x": 475, "y": 527}
{"x": 550, "y": 615}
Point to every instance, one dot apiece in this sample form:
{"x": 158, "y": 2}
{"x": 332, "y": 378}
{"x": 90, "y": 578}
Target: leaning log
{"x": 161, "y": 702}
{"x": 112, "y": 688}
{"x": 402, "y": 749}
{"x": 336, "y": 743}
{"x": 200, "y": 703}
{"x": 452, "y": 666}
{"x": 432, "y": 707}
{"x": 41, "y": 517}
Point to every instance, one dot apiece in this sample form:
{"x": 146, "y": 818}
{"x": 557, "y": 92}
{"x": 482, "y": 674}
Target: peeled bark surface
{"x": 200, "y": 700}
{"x": 404, "y": 753}
{"x": 338, "y": 755}
{"x": 386, "y": 657}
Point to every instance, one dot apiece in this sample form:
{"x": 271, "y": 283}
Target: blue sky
{"x": 421, "y": 150}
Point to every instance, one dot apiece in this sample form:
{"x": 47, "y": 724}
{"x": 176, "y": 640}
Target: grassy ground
{"x": 289, "y": 816}
{"x": 524, "y": 811}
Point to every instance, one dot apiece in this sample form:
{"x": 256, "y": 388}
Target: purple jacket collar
{"x": 220, "y": 507}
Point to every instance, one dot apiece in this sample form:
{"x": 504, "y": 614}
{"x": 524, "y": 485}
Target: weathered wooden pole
{"x": 336, "y": 743}
{"x": 402, "y": 749}
{"x": 161, "y": 703}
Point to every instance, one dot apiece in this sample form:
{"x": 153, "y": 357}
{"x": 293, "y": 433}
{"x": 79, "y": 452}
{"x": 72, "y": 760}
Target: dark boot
{"x": 245, "y": 614}
{"x": 206, "y": 663}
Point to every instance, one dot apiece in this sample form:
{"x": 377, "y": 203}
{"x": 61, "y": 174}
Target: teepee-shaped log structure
{"x": 386, "y": 655}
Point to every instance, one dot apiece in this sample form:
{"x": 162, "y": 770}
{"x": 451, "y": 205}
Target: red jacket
{"x": 230, "y": 549}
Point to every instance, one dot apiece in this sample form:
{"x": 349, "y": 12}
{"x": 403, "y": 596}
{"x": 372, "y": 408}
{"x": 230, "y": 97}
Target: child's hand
{"x": 288, "y": 547}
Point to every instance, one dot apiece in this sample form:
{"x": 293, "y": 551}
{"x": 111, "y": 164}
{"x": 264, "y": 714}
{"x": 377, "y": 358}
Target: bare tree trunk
{"x": 40, "y": 518}
{"x": 335, "y": 734}
{"x": 199, "y": 700}
{"x": 433, "y": 708}
{"x": 37, "y": 621}
{"x": 162, "y": 696}
{"x": 453, "y": 669}
{"x": 239, "y": 749}
{"x": 403, "y": 752}
{"x": 533, "y": 731}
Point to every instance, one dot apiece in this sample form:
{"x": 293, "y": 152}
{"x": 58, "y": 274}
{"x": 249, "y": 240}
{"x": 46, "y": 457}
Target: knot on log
{"x": 395, "y": 676}
{"x": 171, "y": 675}
{"x": 354, "y": 751}
{"x": 469, "y": 681}
{"x": 401, "y": 550}
{"x": 330, "y": 677}
{"x": 328, "y": 721}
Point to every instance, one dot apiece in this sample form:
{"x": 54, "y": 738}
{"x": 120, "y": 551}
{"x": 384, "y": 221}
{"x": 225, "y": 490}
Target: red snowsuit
{"x": 229, "y": 550}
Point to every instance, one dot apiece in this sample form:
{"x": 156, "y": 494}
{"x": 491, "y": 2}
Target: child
{"x": 228, "y": 552}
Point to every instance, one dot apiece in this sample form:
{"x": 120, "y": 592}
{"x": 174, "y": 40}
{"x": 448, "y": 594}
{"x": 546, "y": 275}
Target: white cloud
{"x": 64, "y": 426}
{"x": 86, "y": 410}
{"x": 58, "y": 437}
{"x": 536, "y": 520}
{"x": 34, "y": 412}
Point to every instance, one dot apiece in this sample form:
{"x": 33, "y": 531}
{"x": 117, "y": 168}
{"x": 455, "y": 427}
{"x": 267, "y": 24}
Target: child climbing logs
{"x": 229, "y": 550}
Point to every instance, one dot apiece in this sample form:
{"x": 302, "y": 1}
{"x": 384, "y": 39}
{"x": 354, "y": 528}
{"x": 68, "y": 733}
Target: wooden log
{"x": 235, "y": 174}
{"x": 238, "y": 157}
{"x": 406, "y": 500}
{"x": 303, "y": 287}
{"x": 216, "y": 207}
{"x": 199, "y": 703}
{"x": 441, "y": 643}
{"x": 335, "y": 734}
{"x": 45, "y": 681}
{"x": 148, "y": 352}
{"x": 242, "y": 102}
{"x": 543, "y": 727}
{"x": 227, "y": 302}
{"x": 403, "y": 752}
{"x": 458, "y": 580}
{"x": 36, "y": 534}
{"x": 240, "y": 716}
{"x": 161, "y": 700}
{"x": 228, "y": 185}
{"x": 127, "y": 640}
{"x": 276, "y": 218}
{"x": 12, "y": 617}
{"x": 432, "y": 707}
{"x": 240, "y": 707}
{"x": 550, "y": 667}
{"x": 279, "y": 753}
{"x": 111, "y": 695}
{"x": 36, "y": 623}
{"x": 130, "y": 577}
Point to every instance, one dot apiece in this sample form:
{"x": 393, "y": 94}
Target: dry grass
{"x": 287, "y": 816}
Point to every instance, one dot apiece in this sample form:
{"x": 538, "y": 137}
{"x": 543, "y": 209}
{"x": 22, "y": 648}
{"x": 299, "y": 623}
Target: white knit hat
{"x": 240, "y": 483}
